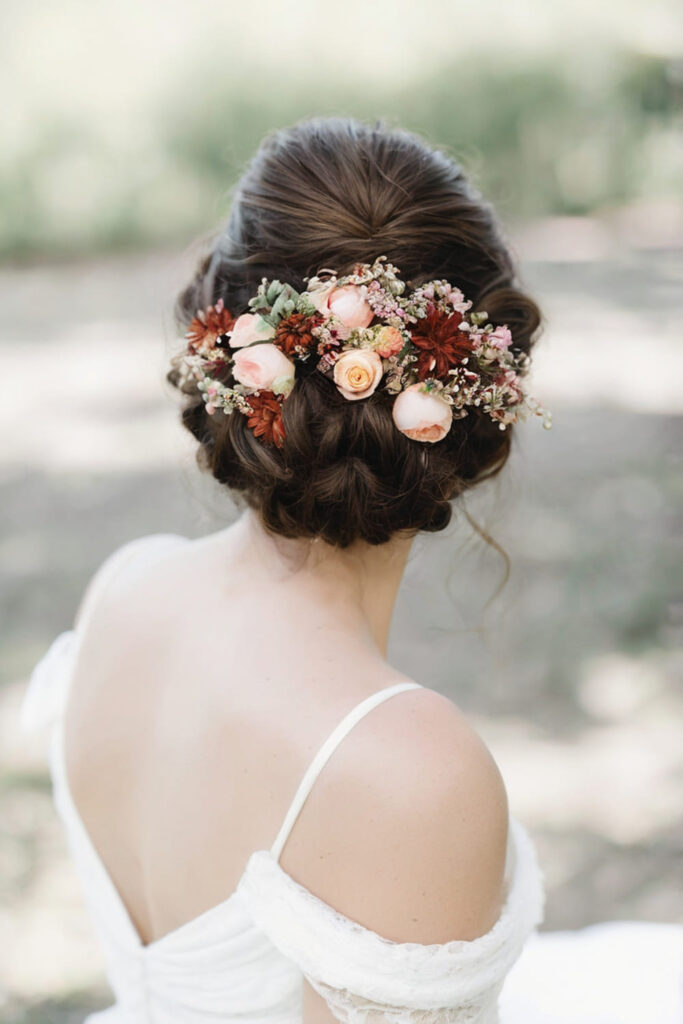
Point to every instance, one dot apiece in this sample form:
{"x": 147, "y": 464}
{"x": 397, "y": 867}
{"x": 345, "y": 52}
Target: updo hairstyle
{"x": 329, "y": 193}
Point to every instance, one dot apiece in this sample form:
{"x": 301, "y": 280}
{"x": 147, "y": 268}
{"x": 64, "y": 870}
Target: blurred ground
{"x": 572, "y": 673}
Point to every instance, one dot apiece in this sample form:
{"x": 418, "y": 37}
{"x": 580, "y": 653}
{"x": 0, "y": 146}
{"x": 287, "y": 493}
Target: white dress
{"x": 244, "y": 959}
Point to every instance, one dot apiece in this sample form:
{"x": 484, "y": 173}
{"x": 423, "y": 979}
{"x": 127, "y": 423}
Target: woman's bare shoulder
{"x": 119, "y": 566}
{"x": 406, "y": 829}
{"x": 120, "y": 600}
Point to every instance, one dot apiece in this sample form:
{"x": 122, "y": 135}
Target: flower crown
{"x": 436, "y": 357}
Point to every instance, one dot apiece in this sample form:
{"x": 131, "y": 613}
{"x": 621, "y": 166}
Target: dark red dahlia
{"x": 266, "y": 419}
{"x": 440, "y": 343}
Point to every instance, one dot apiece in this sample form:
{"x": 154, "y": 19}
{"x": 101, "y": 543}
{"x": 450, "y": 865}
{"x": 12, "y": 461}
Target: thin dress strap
{"x": 327, "y": 749}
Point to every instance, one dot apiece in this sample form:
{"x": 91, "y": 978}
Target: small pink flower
{"x": 357, "y": 372}
{"x": 500, "y": 338}
{"x": 389, "y": 342}
{"x": 421, "y": 415}
{"x": 249, "y": 327}
{"x": 264, "y": 367}
{"x": 347, "y": 303}
{"x": 510, "y": 381}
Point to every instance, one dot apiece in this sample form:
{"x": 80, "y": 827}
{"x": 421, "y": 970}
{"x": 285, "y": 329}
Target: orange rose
{"x": 389, "y": 342}
{"x": 357, "y": 372}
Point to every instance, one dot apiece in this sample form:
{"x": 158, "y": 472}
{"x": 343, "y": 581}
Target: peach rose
{"x": 248, "y": 328}
{"x": 264, "y": 367}
{"x": 346, "y": 302}
{"x": 421, "y": 415}
{"x": 357, "y": 372}
{"x": 389, "y": 342}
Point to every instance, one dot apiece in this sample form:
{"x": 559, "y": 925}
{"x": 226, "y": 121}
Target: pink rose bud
{"x": 249, "y": 328}
{"x": 357, "y": 372}
{"x": 347, "y": 303}
{"x": 260, "y": 366}
{"x": 422, "y": 415}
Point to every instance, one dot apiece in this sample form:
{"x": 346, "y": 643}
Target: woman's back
{"x": 203, "y": 689}
{"x": 349, "y": 409}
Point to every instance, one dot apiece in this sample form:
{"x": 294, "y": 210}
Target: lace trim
{"x": 353, "y": 1009}
{"x": 337, "y": 954}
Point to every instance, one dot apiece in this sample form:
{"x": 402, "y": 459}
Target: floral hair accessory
{"x": 363, "y": 331}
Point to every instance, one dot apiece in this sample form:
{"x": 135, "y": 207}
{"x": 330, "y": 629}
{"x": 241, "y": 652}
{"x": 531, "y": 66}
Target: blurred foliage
{"x": 556, "y": 135}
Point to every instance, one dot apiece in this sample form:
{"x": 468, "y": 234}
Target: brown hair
{"x": 332, "y": 192}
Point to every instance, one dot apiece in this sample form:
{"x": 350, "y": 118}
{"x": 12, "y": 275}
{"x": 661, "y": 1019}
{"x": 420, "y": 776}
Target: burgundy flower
{"x": 440, "y": 343}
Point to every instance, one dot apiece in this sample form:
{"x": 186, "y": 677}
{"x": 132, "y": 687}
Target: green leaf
{"x": 274, "y": 289}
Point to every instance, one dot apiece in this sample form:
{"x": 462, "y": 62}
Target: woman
{"x": 272, "y": 823}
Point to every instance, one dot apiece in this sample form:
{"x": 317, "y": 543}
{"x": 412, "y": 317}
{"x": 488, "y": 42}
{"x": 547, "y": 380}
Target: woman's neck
{"x": 358, "y": 584}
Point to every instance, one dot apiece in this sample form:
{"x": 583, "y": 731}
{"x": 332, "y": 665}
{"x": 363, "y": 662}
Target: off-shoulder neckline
{"x": 256, "y": 857}
{"x": 260, "y": 856}
{"x": 70, "y": 649}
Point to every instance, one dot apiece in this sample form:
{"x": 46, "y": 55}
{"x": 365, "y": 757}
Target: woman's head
{"x": 335, "y": 192}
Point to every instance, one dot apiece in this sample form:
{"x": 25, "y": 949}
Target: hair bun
{"x": 321, "y": 194}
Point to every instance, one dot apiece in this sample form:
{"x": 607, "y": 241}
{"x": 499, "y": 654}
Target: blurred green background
{"x": 128, "y": 121}
{"x": 123, "y": 129}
